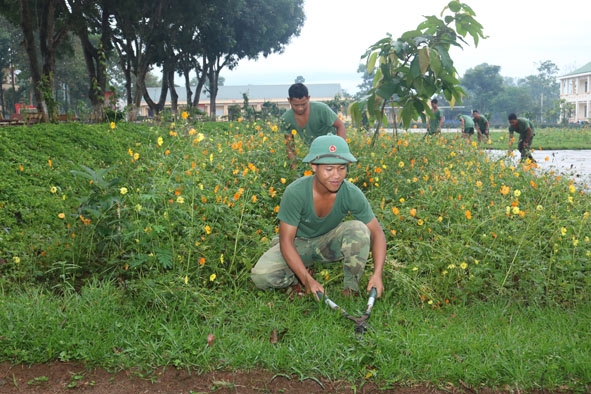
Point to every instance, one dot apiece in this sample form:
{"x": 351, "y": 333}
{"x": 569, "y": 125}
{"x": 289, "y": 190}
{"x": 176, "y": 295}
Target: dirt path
{"x": 58, "y": 378}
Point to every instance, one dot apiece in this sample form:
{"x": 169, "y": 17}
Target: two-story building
{"x": 229, "y": 96}
{"x": 575, "y": 88}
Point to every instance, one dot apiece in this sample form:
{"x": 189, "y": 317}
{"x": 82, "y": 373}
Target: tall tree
{"x": 48, "y": 20}
{"x": 236, "y": 29}
{"x": 482, "y": 83}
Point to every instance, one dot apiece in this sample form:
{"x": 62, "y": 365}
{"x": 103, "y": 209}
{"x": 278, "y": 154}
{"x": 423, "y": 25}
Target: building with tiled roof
{"x": 575, "y": 88}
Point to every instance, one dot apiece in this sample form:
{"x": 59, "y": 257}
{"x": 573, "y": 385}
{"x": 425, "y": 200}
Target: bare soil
{"x": 58, "y": 378}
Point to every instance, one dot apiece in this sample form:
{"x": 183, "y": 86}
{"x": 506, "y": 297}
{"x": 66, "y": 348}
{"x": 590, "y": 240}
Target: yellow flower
{"x": 478, "y": 183}
{"x": 138, "y": 207}
{"x": 517, "y": 193}
{"x": 136, "y": 156}
{"x": 16, "y": 259}
{"x": 207, "y": 230}
{"x": 123, "y": 190}
{"x": 186, "y": 279}
{"x": 61, "y": 215}
{"x": 539, "y": 208}
{"x": 212, "y": 277}
{"x": 575, "y": 242}
{"x": 200, "y": 137}
{"x": 563, "y": 231}
{"x": 240, "y": 120}
{"x": 401, "y": 200}
{"x": 160, "y": 141}
{"x": 464, "y": 265}
{"x": 420, "y": 222}
{"x": 211, "y": 157}
{"x": 515, "y": 210}
{"x": 180, "y": 200}
{"x": 294, "y": 132}
{"x": 53, "y": 189}
{"x": 451, "y": 266}
{"x": 283, "y": 180}
{"x": 112, "y": 125}
{"x": 440, "y": 219}
{"x": 254, "y": 198}
{"x": 572, "y": 189}
{"x": 222, "y": 258}
{"x": 401, "y": 164}
{"x": 274, "y": 128}
{"x": 184, "y": 115}
{"x": 507, "y": 210}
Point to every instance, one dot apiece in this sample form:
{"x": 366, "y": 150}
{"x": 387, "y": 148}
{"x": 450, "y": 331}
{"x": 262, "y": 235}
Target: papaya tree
{"x": 412, "y": 69}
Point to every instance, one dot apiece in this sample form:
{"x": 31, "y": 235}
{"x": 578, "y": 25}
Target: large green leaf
{"x": 424, "y": 61}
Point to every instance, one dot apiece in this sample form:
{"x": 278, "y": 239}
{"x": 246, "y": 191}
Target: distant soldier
{"x": 309, "y": 119}
{"x": 436, "y": 120}
{"x": 467, "y": 126}
{"x": 525, "y": 128}
{"x": 481, "y": 124}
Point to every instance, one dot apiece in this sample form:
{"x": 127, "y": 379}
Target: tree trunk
{"x": 201, "y": 78}
{"x": 31, "y": 50}
{"x": 188, "y": 90}
{"x": 174, "y": 97}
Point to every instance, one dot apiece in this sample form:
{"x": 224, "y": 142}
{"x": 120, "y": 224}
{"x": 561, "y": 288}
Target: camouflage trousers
{"x": 525, "y": 151}
{"x": 349, "y": 242}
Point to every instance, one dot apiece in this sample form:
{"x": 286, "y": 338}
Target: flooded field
{"x": 575, "y": 164}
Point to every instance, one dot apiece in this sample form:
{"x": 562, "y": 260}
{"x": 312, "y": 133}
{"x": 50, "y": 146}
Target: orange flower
{"x": 505, "y": 190}
{"x": 202, "y": 261}
{"x": 308, "y": 172}
{"x": 413, "y": 212}
{"x": 468, "y": 215}
{"x": 395, "y": 211}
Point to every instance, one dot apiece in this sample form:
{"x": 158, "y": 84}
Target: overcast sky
{"x": 336, "y": 33}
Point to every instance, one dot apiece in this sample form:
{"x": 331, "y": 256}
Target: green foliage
{"x": 199, "y": 201}
{"x": 415, "y": 67}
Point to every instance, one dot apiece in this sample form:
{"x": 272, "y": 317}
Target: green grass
{"x": 549, "y": 138}
{"x": 127, "y": 247}
{"x": 492, "y": 344}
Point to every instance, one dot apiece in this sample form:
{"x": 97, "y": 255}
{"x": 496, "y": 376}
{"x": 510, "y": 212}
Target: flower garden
{"x": 165, "y": 212}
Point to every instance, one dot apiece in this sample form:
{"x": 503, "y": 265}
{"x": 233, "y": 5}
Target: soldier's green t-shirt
{"x": 434, "y": 121}
{"x": 297, "y": 208}
{"x": 522, "y": 125}
{"x": 468, "y": 122}
{"x": 481, "y": 123}
{"x": 320, "y": 122}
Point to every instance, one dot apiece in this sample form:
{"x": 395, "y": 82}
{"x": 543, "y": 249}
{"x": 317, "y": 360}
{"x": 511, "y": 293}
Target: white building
{"x": 575, "y": 88}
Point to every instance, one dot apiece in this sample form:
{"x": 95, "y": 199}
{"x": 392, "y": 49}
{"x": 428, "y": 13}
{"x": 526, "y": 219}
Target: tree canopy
{"x": 177, "y": 37}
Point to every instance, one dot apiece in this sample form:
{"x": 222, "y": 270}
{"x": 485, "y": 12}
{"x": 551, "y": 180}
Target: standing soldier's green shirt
{"x": 434, "y": 121}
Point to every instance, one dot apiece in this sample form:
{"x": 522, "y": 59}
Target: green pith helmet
{"x": 329, "y": 149}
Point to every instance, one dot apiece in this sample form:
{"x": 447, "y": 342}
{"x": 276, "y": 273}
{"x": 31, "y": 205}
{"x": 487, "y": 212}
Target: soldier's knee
{"x": 358, "y": 229}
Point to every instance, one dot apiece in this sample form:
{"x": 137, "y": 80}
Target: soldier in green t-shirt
{"x": 525, "y": 128}
{"x": 481, "y": 123}
{"x": 309, "y": 119}
{"x": 467, "y": 126}
{"x": 312, "y": 230}
{"x": 436, "y": 120}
